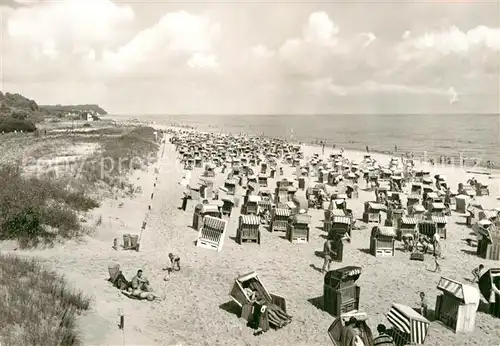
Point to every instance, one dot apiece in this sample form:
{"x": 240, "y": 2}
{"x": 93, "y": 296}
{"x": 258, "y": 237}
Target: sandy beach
{"x": 197, "y": 309}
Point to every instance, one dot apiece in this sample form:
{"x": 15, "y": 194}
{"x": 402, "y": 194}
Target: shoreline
{"x": 419, "y": 154}
{"x": 419, "y": 161}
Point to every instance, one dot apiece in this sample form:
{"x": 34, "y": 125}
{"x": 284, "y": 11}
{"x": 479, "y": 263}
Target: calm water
{"x": 475, "y": 136}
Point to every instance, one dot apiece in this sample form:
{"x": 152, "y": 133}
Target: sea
{"x": 475, "y": 138}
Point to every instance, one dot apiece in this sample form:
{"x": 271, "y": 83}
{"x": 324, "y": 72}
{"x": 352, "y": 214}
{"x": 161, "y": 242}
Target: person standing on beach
{"x": 423, "y": 304}
{"x": 322, "y": 148}
{"x": 328, "y": 254}
{"x": 367, "y": 149}
{"x": 436, "y": 243}
{"x": 184, "y": 201}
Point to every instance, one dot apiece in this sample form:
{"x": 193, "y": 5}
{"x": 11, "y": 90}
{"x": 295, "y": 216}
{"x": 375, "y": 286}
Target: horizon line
{"x": 293, "y": 114}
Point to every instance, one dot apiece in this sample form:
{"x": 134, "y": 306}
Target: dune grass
{"x": 29, "y": 204}
{"x": 118, "y": 156}
{"x": 37, "y": 307}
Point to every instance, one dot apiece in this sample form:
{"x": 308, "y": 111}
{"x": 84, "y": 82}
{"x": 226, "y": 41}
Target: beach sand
{"x": 197, "y": 311}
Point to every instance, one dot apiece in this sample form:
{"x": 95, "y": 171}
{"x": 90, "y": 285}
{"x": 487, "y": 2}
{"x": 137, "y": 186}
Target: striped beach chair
{"x": 281, "y": 195}
{"x": 329, "y": 215}
{"x": 427, "y": 228}
{"x": 440, "y": 222}
{"x": 339, "y": 226}
{"x": 248, "y": 229}
{"x": 265, "y": 205}
{"x": 211, "y": 235}
{"x": 298, "y": 229}
{"x": 407, "y": 227}
{"x": 279, "y": 221}
{"x": 410, "y": 327}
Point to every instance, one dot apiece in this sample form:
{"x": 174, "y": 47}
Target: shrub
{"x": 12, "y": 124}
{"x": 38, "y": 307}
{"x": 29, "y": 204}
{"x": 62, "y": 218}
{"x": 24, "y": 225}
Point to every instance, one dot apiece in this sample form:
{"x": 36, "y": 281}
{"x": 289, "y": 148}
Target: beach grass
{"x": 37, "y": 306}
{"x": 29, "y": 204}
{"x": 134, "y": 149}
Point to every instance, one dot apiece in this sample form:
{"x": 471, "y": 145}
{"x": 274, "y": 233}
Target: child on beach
{"x": 423, "y": 304}
{"x": 175, "y": 262}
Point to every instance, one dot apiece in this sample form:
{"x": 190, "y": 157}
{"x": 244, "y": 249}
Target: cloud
{"x": 453, "y": 40}
{"x": 60, "y": 40}
{"x": 262, "y": 52}
{"x": 370, "y": 38}
{"x": 177, "y": 38}
{"x": 66, "y": 25}
{"x": 320, "y": 29}
{"x": 196, "y": 60}
{"x": 305, "y": 54}
{"x": 322, "y": 51}
{"x": 453, "y": 95}
{"x": 202, "y": 61}
{"x": 466, "y": 59}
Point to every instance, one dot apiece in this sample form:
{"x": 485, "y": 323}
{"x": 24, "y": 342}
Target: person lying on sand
{"x": 275, "y": 314}
{"x": 142, "y": 295}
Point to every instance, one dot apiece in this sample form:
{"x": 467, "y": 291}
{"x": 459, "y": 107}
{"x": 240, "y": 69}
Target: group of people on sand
{"x": 139, "y": 286}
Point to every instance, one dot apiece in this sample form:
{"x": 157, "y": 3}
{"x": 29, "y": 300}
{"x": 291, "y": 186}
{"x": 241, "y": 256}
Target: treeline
{"x": 64, "y": 109}
{"x": 19, "y": 113}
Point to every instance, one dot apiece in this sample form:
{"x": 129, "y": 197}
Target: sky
{"x": 254, "y": 57}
